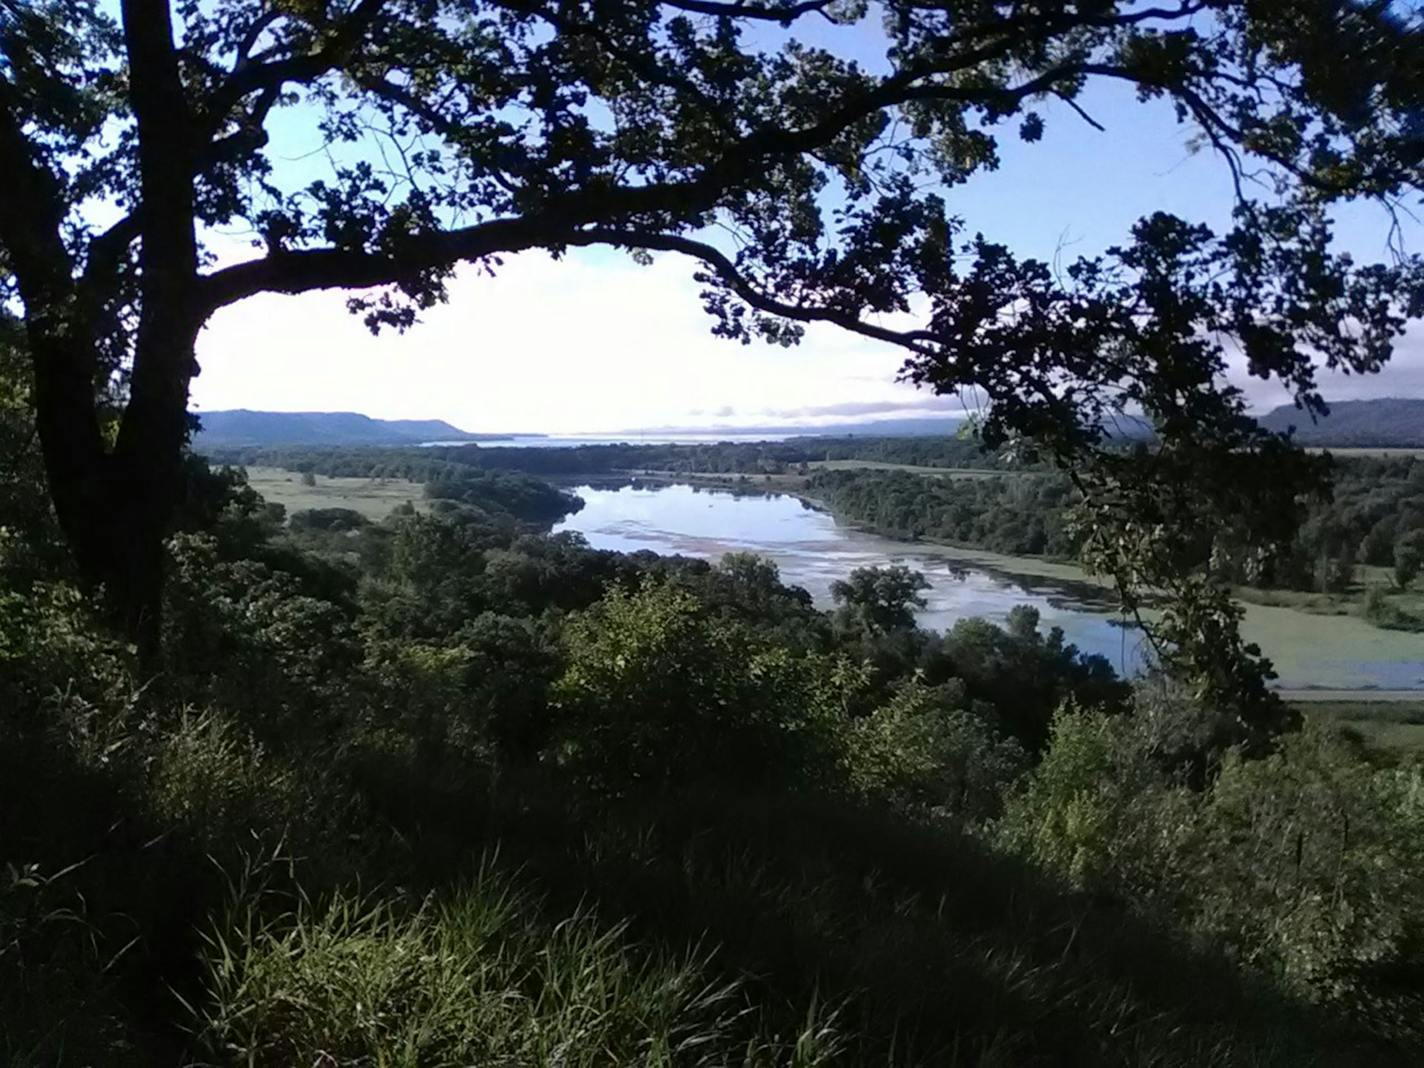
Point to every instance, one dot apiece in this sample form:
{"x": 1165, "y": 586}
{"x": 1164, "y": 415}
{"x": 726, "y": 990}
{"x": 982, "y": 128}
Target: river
{"x": 812, "y": 550}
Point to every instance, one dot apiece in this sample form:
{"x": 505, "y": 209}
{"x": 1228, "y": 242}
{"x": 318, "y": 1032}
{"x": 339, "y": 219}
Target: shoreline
{"x": 1290, "y": 637}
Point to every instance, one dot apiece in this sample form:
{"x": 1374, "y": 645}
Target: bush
{"x": 212, "y": 782}
{"x": 1095, "y": 811}
{"x": 331, "y": 519}
{"x": 1312, "y": 865}
{"x": 1306, "y": 865}
{"x": 924, "y": 749}
{"x": 1380, "y": 610}
{"x": 58, "y": 996}
{"x": 658, "y": 691}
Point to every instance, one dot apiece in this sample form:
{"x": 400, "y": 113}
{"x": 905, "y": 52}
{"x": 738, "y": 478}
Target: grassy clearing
{"x": 1393, "y": 724}
{"x": 1409, "y": 602}
{"x": 1321, "y": 604}
{"x": 938, "y": 472}
{"x": 374, "y": 498}
{"x": 1381, "y": 452}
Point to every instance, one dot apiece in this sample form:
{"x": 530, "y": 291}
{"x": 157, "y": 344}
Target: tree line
{"x": 762, "y": 457}
{"x": 1373, "y": 517}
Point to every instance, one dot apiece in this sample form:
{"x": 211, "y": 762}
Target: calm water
{"x": 813, "y": 550}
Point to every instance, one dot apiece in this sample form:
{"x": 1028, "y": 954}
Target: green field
{"x": 1381, "y": 452}
{"x": 1395, "y": 723}
{"x": 875, "y": 465}
{"x": 374, "y": 498}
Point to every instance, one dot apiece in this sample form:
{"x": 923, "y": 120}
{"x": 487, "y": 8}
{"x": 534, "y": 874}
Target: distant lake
{"x": 812, "y": 550}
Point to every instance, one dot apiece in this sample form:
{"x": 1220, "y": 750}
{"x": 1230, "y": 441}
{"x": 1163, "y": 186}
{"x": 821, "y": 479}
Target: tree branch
{"x": 32, "y": 226}
{"x": 784, "y": 13}
{"x": 918, "y": 341}
{"x": 303, "y": 271}
{"x": 247, "y": 77}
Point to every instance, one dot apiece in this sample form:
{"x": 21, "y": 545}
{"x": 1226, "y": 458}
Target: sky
{"x": 596, "y": 343}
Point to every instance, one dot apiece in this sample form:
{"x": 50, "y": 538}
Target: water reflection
{"x": 813, "y": 550}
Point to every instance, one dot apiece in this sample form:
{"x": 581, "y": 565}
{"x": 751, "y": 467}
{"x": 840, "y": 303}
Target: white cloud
{"x": 1402, "y": 376}
{"x": 592, "y": 342}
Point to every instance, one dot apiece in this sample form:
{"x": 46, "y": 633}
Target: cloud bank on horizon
{"x": 591, "y": 343}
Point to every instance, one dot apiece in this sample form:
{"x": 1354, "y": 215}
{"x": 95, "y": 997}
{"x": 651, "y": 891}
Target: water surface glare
{"x": 813, "y": 550}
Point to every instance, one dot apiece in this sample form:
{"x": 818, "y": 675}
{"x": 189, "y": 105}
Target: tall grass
{"x": 474, "y": 977}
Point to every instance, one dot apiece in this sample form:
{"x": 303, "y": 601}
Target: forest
{"x": 1366, "y": 533}
{"x": 726, "y": 457}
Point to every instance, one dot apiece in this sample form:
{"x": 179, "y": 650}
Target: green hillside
{"x": 1388, "y": 422}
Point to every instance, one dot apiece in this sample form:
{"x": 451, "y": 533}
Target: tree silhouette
{"x": 464, "y": 130}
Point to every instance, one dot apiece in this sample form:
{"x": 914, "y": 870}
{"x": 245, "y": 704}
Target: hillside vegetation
{"x": 442, "y": 790}
{"x": 1387, "y": 422}
{"x": 439, "y": 789}
{"x": 239, "y": 427}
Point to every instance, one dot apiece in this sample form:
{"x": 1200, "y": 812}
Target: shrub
{"x": 210, "y": 780}
{"x": 924, "y": 749}
{"x": 656, "y": 691}
{"x": 1080, "y": 814}
{"x": 1306, "y": 864}
{"x": 57, "y": 999}
{"x": 332, "y": 519}
{"x": 1312, "y": 865}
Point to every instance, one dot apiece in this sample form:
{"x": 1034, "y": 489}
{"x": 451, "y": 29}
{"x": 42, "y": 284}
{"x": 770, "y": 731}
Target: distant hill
{"x": 1389, "y": 422}
{"x": 939, "y": 426}
{"x": 241, "y": 426}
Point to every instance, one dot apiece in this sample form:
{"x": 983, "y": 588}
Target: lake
{"x": 812, "y": 550}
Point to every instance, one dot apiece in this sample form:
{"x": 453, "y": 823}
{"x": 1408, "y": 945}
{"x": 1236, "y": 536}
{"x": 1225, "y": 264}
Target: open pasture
{"x": 374, "y": 498}
{"x": 1390, "y": 721}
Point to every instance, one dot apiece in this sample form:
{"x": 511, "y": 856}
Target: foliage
{"x": 881, "y": 599}
{"x": 1304, "y": 864}
{"x": 833, "y": 173}
{"x": 1409, "y": 557}
{"x": 745, "y": 832}
{"x": 718, "y": 827}
{"x": 926, "y": 749}
{"x": 656, "y": 692}
{"x": 1018, "y": 514}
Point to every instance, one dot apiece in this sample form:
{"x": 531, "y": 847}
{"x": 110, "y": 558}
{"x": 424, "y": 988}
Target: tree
{"x": 881, "y": 598}
{"x": 463, "y": 130}
{"x": 1408, "y": 557}
{"x": 657, "y": 691}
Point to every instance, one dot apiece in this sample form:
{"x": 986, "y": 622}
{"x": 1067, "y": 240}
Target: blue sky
{"x": 595, "y": 342}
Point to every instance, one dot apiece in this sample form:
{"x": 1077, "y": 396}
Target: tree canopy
{"x": 808, "y": 186}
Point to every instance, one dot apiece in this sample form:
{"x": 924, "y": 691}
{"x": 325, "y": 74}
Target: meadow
{"x": 1387, "y": 722}
{"x": 374, "y": 498}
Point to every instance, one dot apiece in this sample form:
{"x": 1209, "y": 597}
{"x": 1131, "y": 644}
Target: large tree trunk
{"x": 114, "y": 507}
